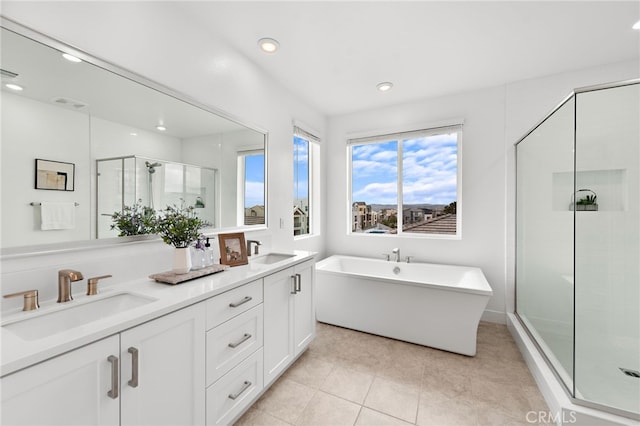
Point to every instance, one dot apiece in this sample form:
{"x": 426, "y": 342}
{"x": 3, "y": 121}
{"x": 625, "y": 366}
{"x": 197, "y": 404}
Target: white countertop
{"x": 18, "y": 353}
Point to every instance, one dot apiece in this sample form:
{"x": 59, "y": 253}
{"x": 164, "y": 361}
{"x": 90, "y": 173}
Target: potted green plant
{"x": 137, "y": 219}
{"x": 179, "y": 227}
{"x": 588, "y": 202}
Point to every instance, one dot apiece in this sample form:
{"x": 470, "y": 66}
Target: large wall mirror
{"x": 118, "y": 141}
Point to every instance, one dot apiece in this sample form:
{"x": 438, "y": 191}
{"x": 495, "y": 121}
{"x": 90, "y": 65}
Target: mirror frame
{"x": 71, "y": 246}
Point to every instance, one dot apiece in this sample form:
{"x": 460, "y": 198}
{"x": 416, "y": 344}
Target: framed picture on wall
{"x": 233, "y": 250}
{"x": 55, "y": 175}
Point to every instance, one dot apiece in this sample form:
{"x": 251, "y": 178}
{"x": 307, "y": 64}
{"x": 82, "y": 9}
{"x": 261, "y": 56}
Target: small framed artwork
{"x": 55, "y": 175}
{"x": 233, "y": 250}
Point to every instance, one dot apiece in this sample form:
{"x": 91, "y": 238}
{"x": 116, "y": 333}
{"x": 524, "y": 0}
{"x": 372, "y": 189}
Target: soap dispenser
{"x": 208, "y": 254}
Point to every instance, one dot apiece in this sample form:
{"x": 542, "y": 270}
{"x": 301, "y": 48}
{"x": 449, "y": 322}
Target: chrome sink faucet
{"x": 65, "y": 278}
{"x": 249, "y": 243}
{"x": 396, "y": 251}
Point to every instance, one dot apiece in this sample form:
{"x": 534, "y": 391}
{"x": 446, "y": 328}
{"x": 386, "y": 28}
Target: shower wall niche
{"x": 578, "y": 244}
{"x": 124, "y": 181}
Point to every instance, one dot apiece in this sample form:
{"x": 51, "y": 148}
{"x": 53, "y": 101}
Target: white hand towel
{"x": 57, "y": 215}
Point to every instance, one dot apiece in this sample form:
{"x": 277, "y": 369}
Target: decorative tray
{"x": 173, "y": 278}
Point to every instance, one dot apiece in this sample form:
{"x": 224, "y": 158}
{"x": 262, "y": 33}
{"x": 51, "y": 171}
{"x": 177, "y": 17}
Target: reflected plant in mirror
{"x": 137, "y": 219}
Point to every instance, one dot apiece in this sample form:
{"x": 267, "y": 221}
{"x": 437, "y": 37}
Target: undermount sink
{"x": 57, "y": 321}
{"x": 269, "y": 258}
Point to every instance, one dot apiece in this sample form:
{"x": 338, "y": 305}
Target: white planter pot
{"x": 181, "y": 260}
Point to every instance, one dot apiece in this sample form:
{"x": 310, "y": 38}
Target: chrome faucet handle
{"x": 92, "y": 284}
{"x": 409, "y": 258}
{"x": 387, "y": 255}
{"x": 30, "y": 302}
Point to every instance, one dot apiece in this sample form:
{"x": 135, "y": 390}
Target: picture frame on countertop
{"x": 233, "y": 249}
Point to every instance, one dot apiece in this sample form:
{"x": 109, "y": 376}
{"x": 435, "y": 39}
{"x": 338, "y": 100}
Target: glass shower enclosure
{"x": 125, "y": 181}
{"x": 578, "y": 244}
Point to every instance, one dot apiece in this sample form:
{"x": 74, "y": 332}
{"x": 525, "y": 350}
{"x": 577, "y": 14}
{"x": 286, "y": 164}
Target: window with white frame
{"x": 305, "y": 149}
{"x": 406, "y": 183}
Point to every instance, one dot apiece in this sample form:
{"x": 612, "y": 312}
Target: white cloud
{"x": 384, "y": 193}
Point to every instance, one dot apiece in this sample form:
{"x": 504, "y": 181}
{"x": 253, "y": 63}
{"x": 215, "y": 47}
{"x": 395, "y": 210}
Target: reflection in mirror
{"x": 127, "y": 141}
{"x": 153, "y": 184}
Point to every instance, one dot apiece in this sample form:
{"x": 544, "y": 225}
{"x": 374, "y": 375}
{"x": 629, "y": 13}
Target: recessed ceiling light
{"x": 13, "y": 87}
{"x": 636, "y": 26}
{"x": 161, "y": 127}
{"x": 71, "y": 58}
{"x": 268, "y": 45}
{"x": 384, "y": 86}
{"x": 133, "y": 134}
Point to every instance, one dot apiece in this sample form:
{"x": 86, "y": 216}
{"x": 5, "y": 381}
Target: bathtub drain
{"x": 631, "y": 373}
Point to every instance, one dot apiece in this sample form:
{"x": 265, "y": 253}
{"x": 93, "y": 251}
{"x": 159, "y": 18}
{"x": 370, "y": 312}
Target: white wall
{"x": 495, "y": 118}
{"x": 154, "y": 40}
{"x": 483, "y": 186}
{"x": 60, "y": 135}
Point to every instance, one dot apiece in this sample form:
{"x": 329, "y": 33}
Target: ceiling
{"x": 333, "y": 53}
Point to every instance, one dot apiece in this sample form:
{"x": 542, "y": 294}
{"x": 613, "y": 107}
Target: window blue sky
{"x": 429, "y": 174}
{"x": 254, "y": 180}
{"x": 300, "y": 168}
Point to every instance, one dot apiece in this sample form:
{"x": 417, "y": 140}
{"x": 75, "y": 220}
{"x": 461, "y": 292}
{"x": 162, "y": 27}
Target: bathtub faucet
{"x": 396, "y": 251}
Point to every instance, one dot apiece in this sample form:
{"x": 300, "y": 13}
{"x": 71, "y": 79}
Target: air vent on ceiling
{"x": 70, "y": 103}
{"x": 7, "y": 73}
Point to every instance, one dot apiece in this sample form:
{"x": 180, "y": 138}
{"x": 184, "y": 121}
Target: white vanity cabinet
{"x": 95, "y": 384}
{"x": 68, "y": 389}
{"x": 168, "y": 388}
{"x": 289, "y": 317}
{"x": 234, "y": 352}
{"x": 202, "y": 364}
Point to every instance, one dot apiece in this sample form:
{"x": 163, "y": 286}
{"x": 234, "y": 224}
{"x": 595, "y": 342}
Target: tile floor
{"x": 352, "y": 378}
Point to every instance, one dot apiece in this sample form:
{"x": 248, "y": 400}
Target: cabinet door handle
{"x": 134, "y": 367}
{"x": 295, "y": 284}
{"x": 298, "y": 283}
{"x": 242, "y": 302}
{"x": 244, "y": 338}
{"x": 113, "y": 393}
{"x": 245, "y": 386}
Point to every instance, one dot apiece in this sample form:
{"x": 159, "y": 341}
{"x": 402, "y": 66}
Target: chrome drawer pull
{"x": 298, "y": 283}
{"x": 242, "y": 302}
{"x": 113, "y": 393}
{"x": 245, "y": 386}
{"x": 295, "y": 284}
{"x": 246, "y": 337}
{"x": 134, "y": 367}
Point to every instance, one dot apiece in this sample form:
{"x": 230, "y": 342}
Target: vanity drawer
{"x": 232, "y": 341}
{"x": 227, "y": 305}
{"x": 235, "y": 391}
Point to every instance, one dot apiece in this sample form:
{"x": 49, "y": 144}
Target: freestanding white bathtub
{"x": 428, "y": 304}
